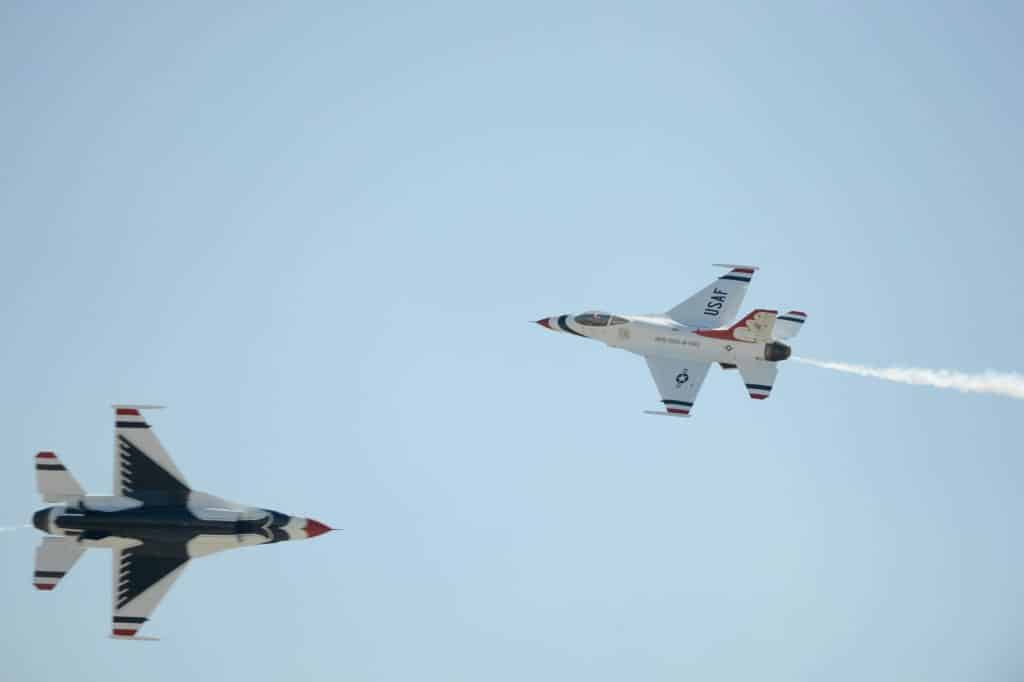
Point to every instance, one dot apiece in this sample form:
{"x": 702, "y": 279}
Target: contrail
{"x": 1006, "y": 384}
{"x": 10, "y": 529}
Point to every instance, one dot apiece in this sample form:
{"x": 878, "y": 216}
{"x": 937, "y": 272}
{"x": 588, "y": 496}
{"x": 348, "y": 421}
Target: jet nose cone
{"x": 545, "y": 322}
{"x": 314, "y": 528}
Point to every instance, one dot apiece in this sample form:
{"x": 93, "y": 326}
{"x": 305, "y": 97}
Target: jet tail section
{"x": 756, "y": 327}
{"x": 54, "y": 482}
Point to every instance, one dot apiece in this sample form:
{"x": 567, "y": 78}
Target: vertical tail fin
{"x": 54, "y": 482}
{"x": 755, "y": 327}
{"x": 787, "y": 326}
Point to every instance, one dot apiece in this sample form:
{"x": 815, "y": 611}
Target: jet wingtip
{"x": 752, "y": 268}
{"x": 135, "y": 638}
{"x": 658, "y": 413}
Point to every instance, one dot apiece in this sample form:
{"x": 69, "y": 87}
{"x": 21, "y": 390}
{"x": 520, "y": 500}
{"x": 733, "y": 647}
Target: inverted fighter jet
{"x": 154, "y": 522}
{"x": 682, "y": 344}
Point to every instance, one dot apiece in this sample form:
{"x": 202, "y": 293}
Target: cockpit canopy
{"x": 264, "y": 518}
{"x": 598, "y": 319}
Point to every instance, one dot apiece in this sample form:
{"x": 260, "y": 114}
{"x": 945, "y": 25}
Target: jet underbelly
{"x": 202, "y": 545}
{"x": 675, "y": 343}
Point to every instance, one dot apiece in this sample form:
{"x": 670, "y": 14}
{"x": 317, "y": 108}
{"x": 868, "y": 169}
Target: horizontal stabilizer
{"x": 54, "y": 482}
{"x": 54, "y": 558}
{"x": 787, "y": 326}
{"x": 758, "y": 378}
{"x": 666, "y": 414}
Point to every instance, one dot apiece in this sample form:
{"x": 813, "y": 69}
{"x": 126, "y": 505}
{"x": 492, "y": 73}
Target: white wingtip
{"x": 729, "y": 265}
{"x": 139, "y": 407}
{"x": 137, "y": 639}
{"x": 666, "y": 414}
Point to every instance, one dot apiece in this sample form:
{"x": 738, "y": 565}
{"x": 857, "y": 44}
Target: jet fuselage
{"x": 663, "y": 336}
{"x": 154, "y": 523}
{"x": 682, "y": 344}
{"x": 204, "y": 524}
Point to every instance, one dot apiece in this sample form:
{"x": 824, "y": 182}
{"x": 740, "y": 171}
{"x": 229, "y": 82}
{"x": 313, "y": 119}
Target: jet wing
{"x": 716, "y": 304}
{"x": 678, "y": 381}
{"x": 142, "y": 468}
{"x": 759, "y": 377}
{"x": 142, "y": 576}
{"x": 54, "y": 558}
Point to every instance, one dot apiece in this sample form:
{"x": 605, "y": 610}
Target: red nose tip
{"x": 314, "y": 528}
{"x": 544, "y": 323}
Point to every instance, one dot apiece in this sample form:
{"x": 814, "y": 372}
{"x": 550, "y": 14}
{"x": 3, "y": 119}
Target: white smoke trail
{"x": 1006, "y": 384}
{"x": 11, "y": 529}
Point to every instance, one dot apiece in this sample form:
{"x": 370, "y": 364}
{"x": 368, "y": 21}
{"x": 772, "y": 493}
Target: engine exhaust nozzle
{"x": 777, "y": 351}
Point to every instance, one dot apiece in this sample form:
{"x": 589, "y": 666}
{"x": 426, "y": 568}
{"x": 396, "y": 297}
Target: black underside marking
{"x": 790, "y": 319}
{"x": 50, "y": 467}
{"x": 130, "y": 619}
{"x": 91, "y": 534}
{"x": 677, "y": 402}
{"x": 161, "y": 525}
{"x": 565, "y": 327}
{"x": 734, "y": 277}
{"x": 144, "y": 566}
{"x": 131, "y": 425}
{"x": 759, "y": 387}
{"x": 50, "y": 574}
{"x": 144, "y": 479}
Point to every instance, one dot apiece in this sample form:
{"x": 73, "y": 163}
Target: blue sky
{"x": 318, "y": 234}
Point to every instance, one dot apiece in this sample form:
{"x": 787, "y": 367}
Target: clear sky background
{"x": 318, "y": 233}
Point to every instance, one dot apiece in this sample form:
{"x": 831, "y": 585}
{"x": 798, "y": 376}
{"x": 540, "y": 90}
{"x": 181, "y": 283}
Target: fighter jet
{"x": 682, "y": 344}
{"x": 154, "y": 523}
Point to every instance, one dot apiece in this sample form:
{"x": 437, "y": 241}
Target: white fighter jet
{"x": 154, "y": 523}
{"x": 681, "y": 344}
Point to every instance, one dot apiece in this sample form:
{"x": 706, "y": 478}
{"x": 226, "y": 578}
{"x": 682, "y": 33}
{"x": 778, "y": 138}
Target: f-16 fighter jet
{"x": 682, "y": 344}
{"x": 154, "y": 522}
